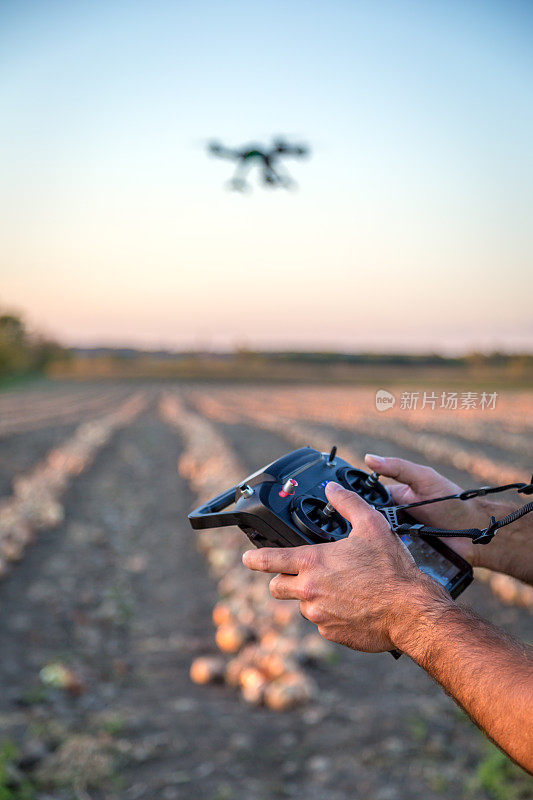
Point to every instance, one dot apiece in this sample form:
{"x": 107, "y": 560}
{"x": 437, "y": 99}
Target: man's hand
{"x": 417, "y": 482}
{"x": 367, "y": 593}
{"x": 509, "y": 552}
{"x": 356, "y": 590}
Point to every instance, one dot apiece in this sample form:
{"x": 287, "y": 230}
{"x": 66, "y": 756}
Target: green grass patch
{"x": 499, "y": 778}
{"x": 13, "y": 784}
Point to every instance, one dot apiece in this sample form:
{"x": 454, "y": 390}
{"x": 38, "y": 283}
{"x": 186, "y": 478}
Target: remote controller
{"x": 284, "y": 505}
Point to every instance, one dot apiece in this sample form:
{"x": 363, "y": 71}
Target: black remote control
{"x": 284, "y": 505}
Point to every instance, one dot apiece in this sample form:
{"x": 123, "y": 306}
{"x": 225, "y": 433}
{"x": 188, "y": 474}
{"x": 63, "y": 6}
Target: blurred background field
{"x": 474, "y": 370}
{"x": 25, "y": 354}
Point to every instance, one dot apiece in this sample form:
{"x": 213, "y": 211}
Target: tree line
{"x": 23, "y": 351}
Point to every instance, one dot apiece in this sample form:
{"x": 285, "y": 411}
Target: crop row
{"x": 312, "y": 405}
{"x": 36, "y": 499}
{"x": 263, "y": 640}
{"x": 23, "y": 412}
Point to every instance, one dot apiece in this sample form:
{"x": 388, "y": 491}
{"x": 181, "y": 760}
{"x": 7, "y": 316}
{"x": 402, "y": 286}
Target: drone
{"x": 263, "y": 157}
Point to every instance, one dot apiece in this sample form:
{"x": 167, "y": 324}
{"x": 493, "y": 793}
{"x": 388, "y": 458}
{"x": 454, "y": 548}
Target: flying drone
{"x": 264, "y": 158}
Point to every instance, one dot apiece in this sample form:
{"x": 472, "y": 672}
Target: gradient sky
{"x": 412, "y": 226}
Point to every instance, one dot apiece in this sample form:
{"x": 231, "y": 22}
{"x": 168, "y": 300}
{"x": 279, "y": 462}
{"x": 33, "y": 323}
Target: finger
{"x": 311, "y": 612}
{"x": 348, "y": 504}
{"x": 400, "y": 493}
{"x": 288, "y": 560}
{"x": 398, "y": 468}
{"x": 286, "y": 587}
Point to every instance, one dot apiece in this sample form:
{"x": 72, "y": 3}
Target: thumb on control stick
{"x": 351, "y": 507}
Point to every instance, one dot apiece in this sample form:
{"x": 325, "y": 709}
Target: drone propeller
{"x": 281, "y": 145}
{"x": 215, "y": 147}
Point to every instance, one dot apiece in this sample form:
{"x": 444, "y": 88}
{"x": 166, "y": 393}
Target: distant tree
{"x": 22, "y": 352}
{"x": 15, "y": 349}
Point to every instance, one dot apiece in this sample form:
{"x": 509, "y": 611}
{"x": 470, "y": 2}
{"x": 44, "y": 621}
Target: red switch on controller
{"x": 289, "y": 487}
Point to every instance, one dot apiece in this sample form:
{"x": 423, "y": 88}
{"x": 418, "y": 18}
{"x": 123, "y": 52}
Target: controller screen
{"x": 430, "y": 561}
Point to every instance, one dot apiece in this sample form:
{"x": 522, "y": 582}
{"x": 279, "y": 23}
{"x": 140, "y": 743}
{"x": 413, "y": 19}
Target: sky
{"x": 411, "y": 227}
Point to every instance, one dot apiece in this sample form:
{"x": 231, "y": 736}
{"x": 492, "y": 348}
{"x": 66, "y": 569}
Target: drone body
{"x": 264, "y": 158}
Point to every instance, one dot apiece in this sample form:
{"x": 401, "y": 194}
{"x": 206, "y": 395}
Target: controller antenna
{"x": 333, "y": 453}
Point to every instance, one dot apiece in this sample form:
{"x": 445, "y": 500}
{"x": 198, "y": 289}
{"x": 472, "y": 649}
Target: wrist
{"x": 416, "y": 624}
{"x": 488, "y": 555}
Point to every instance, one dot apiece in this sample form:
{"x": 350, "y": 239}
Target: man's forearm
{"x": 487, "y": 673}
